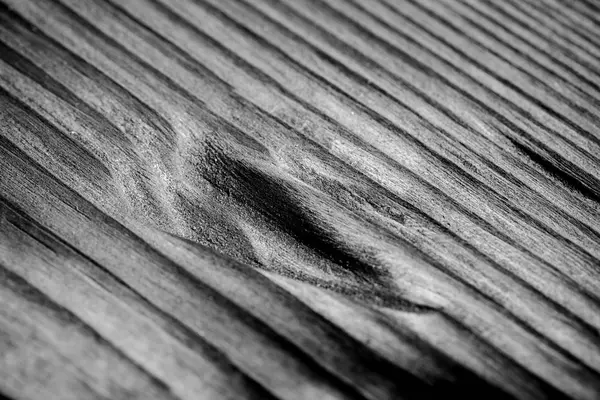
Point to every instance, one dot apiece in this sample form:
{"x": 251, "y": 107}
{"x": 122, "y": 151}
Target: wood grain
{"x": 299, "y": 199}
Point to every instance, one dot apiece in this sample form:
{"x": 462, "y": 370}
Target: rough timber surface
{"x": 299, "y": 199}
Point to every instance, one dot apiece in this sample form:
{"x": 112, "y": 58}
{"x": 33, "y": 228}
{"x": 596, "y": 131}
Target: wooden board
{"x": 299, "y": 199}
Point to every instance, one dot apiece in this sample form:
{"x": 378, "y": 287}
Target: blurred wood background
{"x": 299, "y": 199}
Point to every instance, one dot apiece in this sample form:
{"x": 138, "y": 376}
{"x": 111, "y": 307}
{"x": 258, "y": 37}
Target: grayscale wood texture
{"x": 299, "y": 199}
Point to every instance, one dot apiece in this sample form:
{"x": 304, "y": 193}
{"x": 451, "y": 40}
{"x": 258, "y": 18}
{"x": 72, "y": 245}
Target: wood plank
{"x": 299, "y": 199}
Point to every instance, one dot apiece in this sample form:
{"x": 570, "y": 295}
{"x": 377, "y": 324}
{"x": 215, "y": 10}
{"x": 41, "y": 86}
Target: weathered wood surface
{"x": 299, "y": 199}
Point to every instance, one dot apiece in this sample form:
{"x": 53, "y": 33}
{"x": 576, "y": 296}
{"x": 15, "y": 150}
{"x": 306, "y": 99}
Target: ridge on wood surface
{"x": 299, "y": 199}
